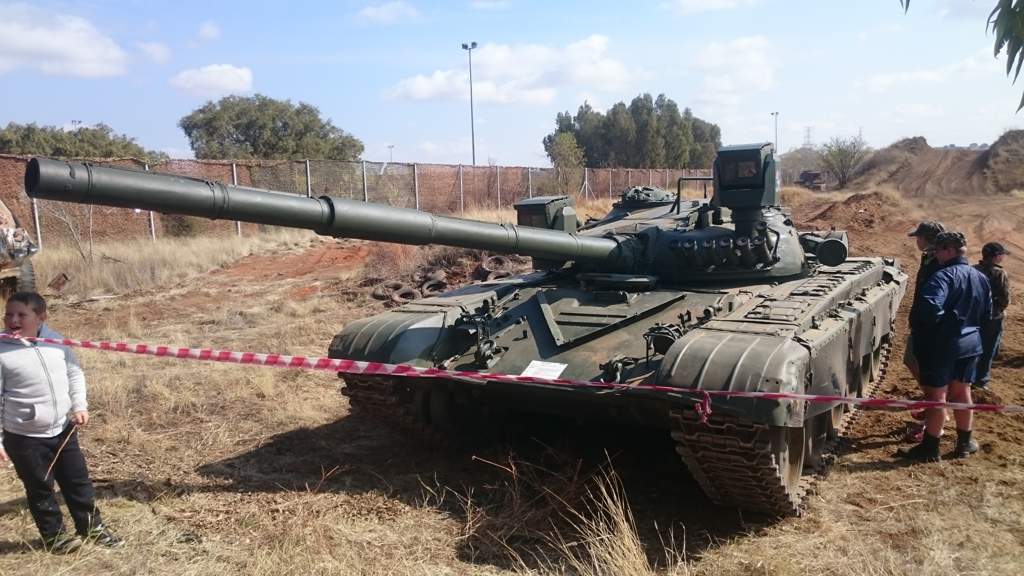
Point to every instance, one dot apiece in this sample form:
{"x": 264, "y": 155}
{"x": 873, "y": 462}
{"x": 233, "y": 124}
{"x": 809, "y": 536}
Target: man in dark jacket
{"x": 946, "y": 323}
{"x": 992, "y": 255}
{"x": 924, "y": 235}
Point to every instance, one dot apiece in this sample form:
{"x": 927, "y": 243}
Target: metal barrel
{"x": 86, "y": 183}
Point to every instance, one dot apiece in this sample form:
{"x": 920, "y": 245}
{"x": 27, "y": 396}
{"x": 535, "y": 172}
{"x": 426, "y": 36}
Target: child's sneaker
{"x": 62, "y": 543}
{"x": 104, "y": 537}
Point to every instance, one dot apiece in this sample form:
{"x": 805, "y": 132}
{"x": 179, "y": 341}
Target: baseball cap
{"x": 993, "y": 249}
{"x": 929, "y": 229}
{"x": 954, "y": 239}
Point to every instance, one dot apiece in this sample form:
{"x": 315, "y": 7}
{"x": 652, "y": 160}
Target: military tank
{"x": 719, "y": 293}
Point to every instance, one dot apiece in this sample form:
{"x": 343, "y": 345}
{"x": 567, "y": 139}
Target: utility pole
{"x": 472, "y": 129}
{"x": 776, "y": 116}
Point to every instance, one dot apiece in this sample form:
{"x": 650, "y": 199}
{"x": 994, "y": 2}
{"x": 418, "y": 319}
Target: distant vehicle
{"x": 16, "y": 247}
{"x": 812, "y": 179}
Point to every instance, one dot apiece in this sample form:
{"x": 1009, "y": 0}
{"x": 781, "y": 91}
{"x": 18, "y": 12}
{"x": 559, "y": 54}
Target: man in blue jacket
{"x": 946, "y": 323}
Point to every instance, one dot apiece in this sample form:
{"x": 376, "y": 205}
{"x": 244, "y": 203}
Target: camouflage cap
{"x": 993, "y": 249}
{"x": 954, "y": 239}
{"x": 929, "y": 229}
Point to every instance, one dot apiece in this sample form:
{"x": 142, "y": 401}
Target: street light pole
{"x": 472, "y": 128}
{"x": 776, "y": 115}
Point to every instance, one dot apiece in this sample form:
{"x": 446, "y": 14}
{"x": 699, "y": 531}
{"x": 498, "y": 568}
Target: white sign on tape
{"x": 549, "y": 370}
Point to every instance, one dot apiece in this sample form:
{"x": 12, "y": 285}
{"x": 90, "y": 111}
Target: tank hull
{"x": 824, "y": 334}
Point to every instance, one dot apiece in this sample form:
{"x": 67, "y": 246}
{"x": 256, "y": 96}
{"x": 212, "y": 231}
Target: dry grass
{"x": 596, "y": 208}
{"x": 127, "y": 266}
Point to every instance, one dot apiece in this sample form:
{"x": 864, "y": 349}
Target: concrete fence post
{"x": 234, "y": 182}
{"x": 416, "y": 185}
{"x": 497, "y": 177}
{"x": 529, "y": 181}
{"x": 152, "y": 219}
{"x": 366, "y": 192}
{"x": 462, "y": 195}
{"x": 309, "y": 182}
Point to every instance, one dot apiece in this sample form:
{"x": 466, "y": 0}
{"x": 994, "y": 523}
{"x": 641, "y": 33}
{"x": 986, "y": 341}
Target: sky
{"x": 393, "y": 72}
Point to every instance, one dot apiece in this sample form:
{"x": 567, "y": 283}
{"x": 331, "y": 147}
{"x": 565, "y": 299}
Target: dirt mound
{"x": 916, "y": 169}
{"x": 862, "y": 214}
{"x": 1004, "y": 162}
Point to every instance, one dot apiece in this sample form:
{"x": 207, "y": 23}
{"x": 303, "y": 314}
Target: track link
{"x": 733, "y": 461}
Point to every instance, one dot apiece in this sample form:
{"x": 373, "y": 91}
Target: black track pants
{"x": 31, "y": 457}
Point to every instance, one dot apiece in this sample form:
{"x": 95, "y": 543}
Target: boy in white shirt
{"x": 42, "y": 403}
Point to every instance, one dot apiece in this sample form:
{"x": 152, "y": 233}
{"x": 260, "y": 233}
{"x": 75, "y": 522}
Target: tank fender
{"x": 761, "y": 358}
{"x": 396, "y": 337}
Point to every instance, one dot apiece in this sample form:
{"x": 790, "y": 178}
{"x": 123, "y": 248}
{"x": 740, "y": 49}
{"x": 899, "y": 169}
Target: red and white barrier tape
{"x": 405, "y": 370}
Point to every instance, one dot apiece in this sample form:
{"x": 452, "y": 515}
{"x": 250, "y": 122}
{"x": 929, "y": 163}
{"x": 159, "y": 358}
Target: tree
{"x": 265, "y": 128}
{"x": 1007, "y": 24}
{"x": 567, "y": 158}
{"x": 97, "y": 141}
{"x": 676, "y": 131}
{"x": 620, "y": 137}
{"x": 650, "y": 145}
{"x": 649, "y": 133}
{"x": 841, "y": 156}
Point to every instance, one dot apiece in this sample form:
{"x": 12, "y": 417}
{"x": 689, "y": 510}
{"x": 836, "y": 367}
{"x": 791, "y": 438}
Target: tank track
{"x": 732, "y": 461}
{"x": 394, "y": 401}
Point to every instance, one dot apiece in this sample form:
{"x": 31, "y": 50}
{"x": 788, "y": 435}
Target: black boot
{"x": 965, "y": 445}
{"x": 926, "y": 451}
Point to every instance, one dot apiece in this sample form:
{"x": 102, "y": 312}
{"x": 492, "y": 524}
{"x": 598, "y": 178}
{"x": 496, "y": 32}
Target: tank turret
{"x": 676, "y": 242}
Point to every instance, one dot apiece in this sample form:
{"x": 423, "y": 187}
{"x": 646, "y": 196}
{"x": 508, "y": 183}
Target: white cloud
{"x": 214, "y": 80}
{"x": 388, "y": 12}
{"x": 522, "y": 73}
{"x": 209, "y": 30}
{"x": 982, "y": 61}
{"x": 685, "y": 7}
{"x": 489, "y": 4}
{"x": 56, "y": 43}
{"x": 732, "y": 69}
{"x": 155, "y": 51}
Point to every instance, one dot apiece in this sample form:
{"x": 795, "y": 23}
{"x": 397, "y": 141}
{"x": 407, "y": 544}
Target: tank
{"x": 719, "y": 293}
{"x": 16, "y": 250}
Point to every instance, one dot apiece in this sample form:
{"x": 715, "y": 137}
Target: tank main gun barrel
{"x": 86, "y": 183}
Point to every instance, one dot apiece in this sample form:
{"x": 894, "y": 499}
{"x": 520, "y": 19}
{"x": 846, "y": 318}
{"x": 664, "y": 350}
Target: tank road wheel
{"x": 877, "y": 360}
{"x": 865, "y": 375}
{"x": 818, "y": 431}
{"x": 836, "y": 417}
{"x": 788, "y": 446}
